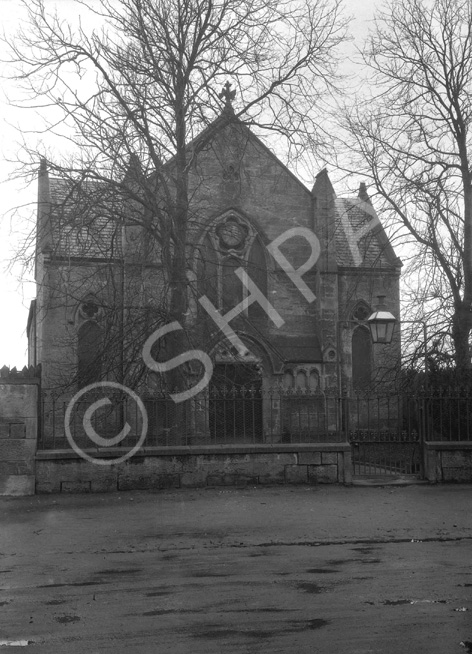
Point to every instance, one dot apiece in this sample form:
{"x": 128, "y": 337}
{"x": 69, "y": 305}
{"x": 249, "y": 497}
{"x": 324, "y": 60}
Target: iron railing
{"x": 218, "y": 417}
{"x": 252, "y": 416}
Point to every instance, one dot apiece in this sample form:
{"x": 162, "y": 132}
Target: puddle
{"x": 344, "y": 561}
{"x": 367, "y": 561}
{"x": 310, "y": 588}
{"x": 260, "y": 553}
{"x": 66, "y": 619}
{"x": 341, "y": 561}
{"x": 320, "y": 571}
{"x": 317, "y": 623}
{"x": 117, "y": 571}
{"x": 414, "y": 601}
{"x": 200, "y": 574}
{"x": 295, "y": 626}
{"x": 79, "y": 583}
{"x": 170, "y": 612}
{"x": 217, "y": 633}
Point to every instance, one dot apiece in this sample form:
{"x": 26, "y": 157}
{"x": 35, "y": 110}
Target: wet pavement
{"x": 327, "y": 569}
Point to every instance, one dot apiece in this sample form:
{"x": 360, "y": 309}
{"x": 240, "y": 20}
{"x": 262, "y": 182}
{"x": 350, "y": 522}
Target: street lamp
{"x": 381, "y": 324}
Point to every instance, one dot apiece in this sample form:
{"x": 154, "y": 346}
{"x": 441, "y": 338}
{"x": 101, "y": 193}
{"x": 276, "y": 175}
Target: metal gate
{"x": 385, "y": 435}
{"x": 385, "y": 453}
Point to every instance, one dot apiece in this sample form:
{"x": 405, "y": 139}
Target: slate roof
{"x": 84, "y": 219}
{"x": 81, "y": 224}
{"x": 360, "y": 237}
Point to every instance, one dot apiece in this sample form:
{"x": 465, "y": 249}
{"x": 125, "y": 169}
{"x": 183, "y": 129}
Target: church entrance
{"x": 235, "y": 403}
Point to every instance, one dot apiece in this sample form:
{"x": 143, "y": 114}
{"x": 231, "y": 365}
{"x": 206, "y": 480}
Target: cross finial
{"x": 227, "y": 95}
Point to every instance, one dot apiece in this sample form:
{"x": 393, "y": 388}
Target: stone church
{"x": 304, "y": 331}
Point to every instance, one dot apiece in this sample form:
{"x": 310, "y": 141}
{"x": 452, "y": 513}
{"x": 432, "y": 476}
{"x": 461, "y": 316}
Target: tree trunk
{"x": 460, "y": 336}
{"x": 178, "y": 274}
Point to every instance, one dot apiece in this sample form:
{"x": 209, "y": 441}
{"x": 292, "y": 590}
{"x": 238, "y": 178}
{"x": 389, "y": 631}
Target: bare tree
{"x": 137, "y": 99}
{"x": 411, "y": 137}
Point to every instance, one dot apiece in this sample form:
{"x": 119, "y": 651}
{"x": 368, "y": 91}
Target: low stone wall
{"x": 448, "y": 461}
{"x": 18, "y": 435}
{"x": 180, "y": 467}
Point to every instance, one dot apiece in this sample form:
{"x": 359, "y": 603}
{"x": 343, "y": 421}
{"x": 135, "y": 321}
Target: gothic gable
{"x": 360, "y": 238}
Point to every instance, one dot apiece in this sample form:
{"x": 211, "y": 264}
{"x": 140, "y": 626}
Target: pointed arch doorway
{"x": 235, "y": 399}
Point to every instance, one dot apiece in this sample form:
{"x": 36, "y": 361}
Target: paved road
{"x": 307, "y": 570}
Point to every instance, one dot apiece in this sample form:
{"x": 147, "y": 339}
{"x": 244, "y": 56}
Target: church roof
{"x": 81, "y": 211}
{"x": 360, "y": 238}
{"x": 81, "y": 224}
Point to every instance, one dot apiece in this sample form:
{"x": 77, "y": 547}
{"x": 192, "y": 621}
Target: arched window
{"x": 300, "y": 381}
{"x": 314, "y": 380}
{"x": 257, "y": 271}
{"x": 207, "y": 271}
{"x": 232, "y": 285}
{"x": 288, "y": 381}
{"x": 231, "y": 244}
{"x": 361, "y": 358}
{"x": 89, "y": 353}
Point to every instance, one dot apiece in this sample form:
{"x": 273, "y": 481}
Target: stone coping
{"x": 448, "y": 445}
{"x": 197, "y": 450}
{"x": 18, "y": 381}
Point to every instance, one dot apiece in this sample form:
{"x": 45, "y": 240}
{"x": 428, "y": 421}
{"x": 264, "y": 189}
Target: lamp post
{"x": 382, "y": 324}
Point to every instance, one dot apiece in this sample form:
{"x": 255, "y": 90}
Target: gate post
{"x": 18, "y": 430}
{"x": 345, "y": 417}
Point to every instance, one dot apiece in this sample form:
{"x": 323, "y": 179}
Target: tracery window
{"x": 231, "y": 244}
{"x": 89, "y": 362}
{"x": 361, "y": 311}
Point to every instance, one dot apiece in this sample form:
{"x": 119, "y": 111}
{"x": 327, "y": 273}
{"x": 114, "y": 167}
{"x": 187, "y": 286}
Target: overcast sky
{"x": 15, "y": 296}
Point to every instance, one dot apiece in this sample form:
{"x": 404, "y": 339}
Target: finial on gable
{"x": 134, "y": 171}
{"x": 228, "y": 96}
{"x": 363, "y": 195}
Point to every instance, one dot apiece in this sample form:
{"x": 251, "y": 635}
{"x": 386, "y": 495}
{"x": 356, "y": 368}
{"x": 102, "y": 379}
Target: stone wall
{"x": 18, "y": 431}
{"x": 181, "y": 467}
{"x": 448, "y": 461}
